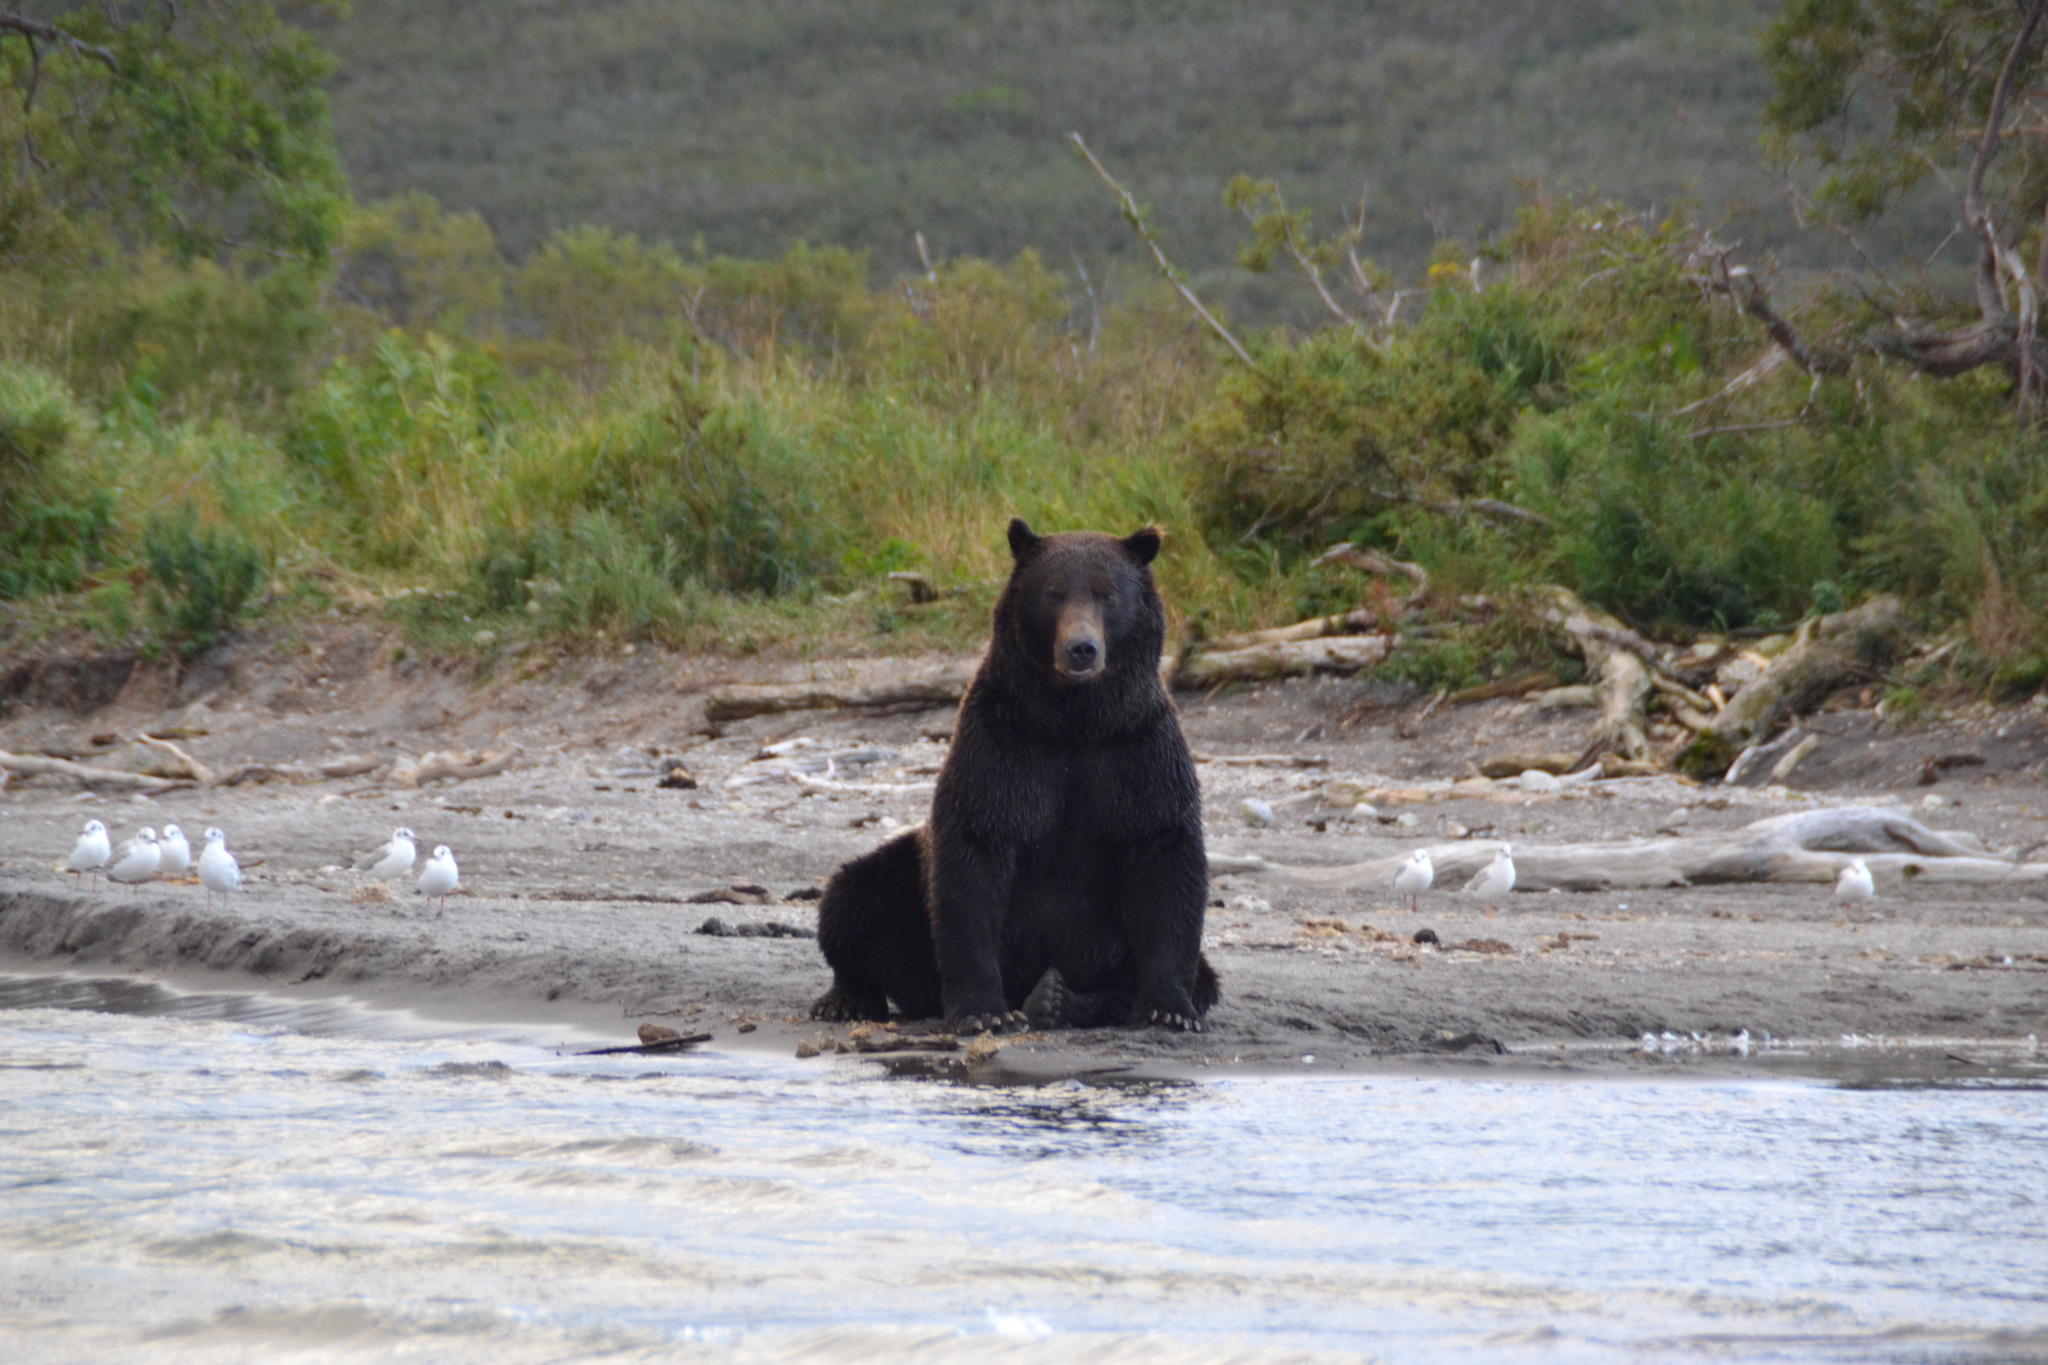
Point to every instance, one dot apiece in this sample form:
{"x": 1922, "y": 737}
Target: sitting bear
{"x": 1061, "y": 880}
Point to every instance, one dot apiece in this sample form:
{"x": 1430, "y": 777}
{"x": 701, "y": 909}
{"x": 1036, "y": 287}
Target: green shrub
{"x": 202, "y": 580}
{"x": 53, "y": 526}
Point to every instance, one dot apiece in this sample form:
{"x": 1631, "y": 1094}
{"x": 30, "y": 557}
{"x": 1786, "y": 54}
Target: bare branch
{"x": 1489, "y": 509}
{"x": 1990, "y": 298}
{"x": 33, "y": 29}
{"x": 1136, "y": 218}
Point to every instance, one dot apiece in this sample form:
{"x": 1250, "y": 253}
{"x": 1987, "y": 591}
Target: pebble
{"x": 1257, "y": 813}
{"x": 806, "y": 1048}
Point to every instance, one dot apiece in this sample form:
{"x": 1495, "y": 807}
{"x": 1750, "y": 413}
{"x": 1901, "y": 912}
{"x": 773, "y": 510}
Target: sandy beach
{"x": 584, "y": 878}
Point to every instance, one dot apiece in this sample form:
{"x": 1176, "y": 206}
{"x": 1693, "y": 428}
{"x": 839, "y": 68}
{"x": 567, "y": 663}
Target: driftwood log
{"x": 1284, "y": 659}
{"x": 451, "y": 768}
{"x": 942, "y": 688}
{"x": 1827, "y": 653}
{"x": 1622, "y": 677}
{"x": 1315, "y": 628}
{"x": 161, "y": 758}
{"x": 1804, "y": 846}
{"x": 35, "y": 765}
{"x": 1372, "y": 561}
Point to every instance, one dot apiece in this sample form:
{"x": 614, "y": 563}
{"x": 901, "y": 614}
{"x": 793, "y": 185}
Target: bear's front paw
{"x": 996, "y": 1021}
{"x": 1186, "y": 1023}
{"x": 840, "y": 1006}
{"x": 1168, "y": 1013}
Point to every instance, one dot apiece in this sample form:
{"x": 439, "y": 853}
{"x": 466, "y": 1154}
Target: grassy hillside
{"x": 857, "y": 124}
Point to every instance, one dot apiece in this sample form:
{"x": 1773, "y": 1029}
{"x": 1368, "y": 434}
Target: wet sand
{"x": 579, "y": 870}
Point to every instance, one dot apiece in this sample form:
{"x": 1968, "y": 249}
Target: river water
{"x": 222, "y": 1178}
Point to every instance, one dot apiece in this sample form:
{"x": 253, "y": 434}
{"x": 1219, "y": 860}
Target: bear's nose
{"x": 1081, "y": 655}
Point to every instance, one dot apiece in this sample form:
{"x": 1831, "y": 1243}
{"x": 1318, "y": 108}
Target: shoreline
{"x": 1038, "y": 1059}
{"x": 585, "y": 880}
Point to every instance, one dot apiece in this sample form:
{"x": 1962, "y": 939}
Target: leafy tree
{"x": 1885, "y": 93}
{"x": 198, "y": 127}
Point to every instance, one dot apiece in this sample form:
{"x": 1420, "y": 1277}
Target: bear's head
{"x": 1082, "y": 605}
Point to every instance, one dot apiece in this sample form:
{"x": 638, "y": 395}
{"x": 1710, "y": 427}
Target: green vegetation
{"x": 753, "y": 127}
{"x": 604, "y": 438}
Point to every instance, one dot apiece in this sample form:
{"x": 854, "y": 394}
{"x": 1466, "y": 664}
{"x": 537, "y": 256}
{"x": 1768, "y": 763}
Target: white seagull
{"x": 1854, "y": 888}
{"x": 441, "y": 875}
{"x": 1416, "y": 876}
{"x": 218, "y": 870}
{"x": 137, "y": 859}
{"x": 1496, "y": 879}
{"x": 90, "y": 853}
{"x": 177, "y": 853}
{"x": 392, "y": 860}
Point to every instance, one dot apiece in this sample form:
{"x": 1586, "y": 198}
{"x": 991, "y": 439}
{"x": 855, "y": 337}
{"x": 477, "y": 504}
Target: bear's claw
{"x": 835, "y": 1006}
{"x": 1186, "y": 1023}
{"x": 1006, "y": 1022}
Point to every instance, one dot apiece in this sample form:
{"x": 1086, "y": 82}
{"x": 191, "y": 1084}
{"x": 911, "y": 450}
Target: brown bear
{"x": 1061, "y": 880}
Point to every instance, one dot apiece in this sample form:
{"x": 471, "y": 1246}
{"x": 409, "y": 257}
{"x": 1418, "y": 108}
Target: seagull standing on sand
{"x": 1496, "y": 879}
{"x": 218, "y": 870}
{"x": 441, "y": 875}
{"x": 137, "y": 859}
{"x": 392, "y": 860}
{"x": 1416, "y": 876}
{"x": 1855, "y": 888}
{"x": 90, "y": 853}
{"x": 177, "y": 854}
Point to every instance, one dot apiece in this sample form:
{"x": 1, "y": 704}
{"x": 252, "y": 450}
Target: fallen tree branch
{"x": 1489, "y": 508}
{"x": 1827, "y": 652}
{"x": 1284, "y": 659}
{"x": 451, "y": 768}
{"x": 31, "y": 765}
{"x": 1805, "y": 846}
{"x": 1624, "y": 679}
{"x": 1315, "y": 628}
{"x": 943, "y": 688}
{"x": 169, "y": 760}
{"x": 1372, "y": 561}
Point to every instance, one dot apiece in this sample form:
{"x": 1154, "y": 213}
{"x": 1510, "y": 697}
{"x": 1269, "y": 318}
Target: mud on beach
{"x": 583, "y": 876}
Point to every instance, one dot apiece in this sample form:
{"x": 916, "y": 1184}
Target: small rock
{"x": 484, "y": 639}
{"x": 1933, "y": 801}
{"x": 1365, "y": 810}
{"x": 983, "y": 1047}
{"x": 1257, "y": 813}
{"x": 1536, "y": 780}
{"x": 748, "y": 1027}
{"x": 1249, "y": 905}
{"x": 806, "y": 1048}
{"x": 650, "y": 1034}
{"x": 1426, "y": 936}
{"x": 1407, "y": 820}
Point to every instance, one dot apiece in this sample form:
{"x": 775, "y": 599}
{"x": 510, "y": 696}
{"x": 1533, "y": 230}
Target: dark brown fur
{"x": 1062, "y": 873}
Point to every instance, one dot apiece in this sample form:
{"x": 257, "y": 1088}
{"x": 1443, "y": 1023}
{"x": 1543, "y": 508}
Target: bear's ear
{"x": 1023, "y": 540}
{"x": 1143, "y": 546}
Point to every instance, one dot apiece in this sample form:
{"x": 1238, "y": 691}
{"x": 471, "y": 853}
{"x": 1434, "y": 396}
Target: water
{"x": 219, "y": 1178}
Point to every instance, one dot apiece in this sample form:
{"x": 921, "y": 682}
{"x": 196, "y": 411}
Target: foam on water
{"x": 225, "y": 1178}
